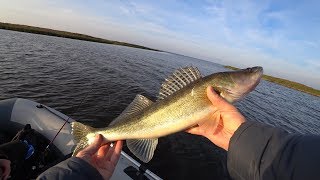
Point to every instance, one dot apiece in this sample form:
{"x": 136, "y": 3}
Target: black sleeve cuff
{"x": 72, "y": 168}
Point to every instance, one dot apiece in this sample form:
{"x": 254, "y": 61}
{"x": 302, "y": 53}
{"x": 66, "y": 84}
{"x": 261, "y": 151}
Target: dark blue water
{"x": 61, "y": 72}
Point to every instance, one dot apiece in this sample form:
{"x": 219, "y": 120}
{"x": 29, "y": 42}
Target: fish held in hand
{"x": 182, "y": 103}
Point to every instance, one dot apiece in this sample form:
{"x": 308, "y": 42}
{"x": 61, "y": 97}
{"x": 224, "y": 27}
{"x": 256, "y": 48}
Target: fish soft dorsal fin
{"x": 139, "y": 103}
{"x": 142, "y": 148}
{"x": 179, "y": 79}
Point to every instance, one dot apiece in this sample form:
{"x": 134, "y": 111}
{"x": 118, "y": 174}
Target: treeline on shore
{"x": 287, "y": 83}
{"x": 65, "y": 34}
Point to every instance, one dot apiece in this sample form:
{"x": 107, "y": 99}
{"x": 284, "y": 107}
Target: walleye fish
{"x": 182, "y": 103}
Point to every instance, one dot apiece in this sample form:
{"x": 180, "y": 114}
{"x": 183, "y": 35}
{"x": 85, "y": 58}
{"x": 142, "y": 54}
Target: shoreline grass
{"x": 287, "y": 83}
{"x": 65, "y": 34}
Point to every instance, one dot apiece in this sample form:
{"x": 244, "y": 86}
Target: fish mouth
{"x": 256, "y": 76}
{"x": 245, "y": 81}
{"x": 258, "y": 70}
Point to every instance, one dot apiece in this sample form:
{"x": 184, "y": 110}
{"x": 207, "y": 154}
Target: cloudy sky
{"x": 282, "y": 36}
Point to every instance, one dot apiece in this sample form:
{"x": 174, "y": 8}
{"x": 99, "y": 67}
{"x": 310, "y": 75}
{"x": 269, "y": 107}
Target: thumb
{"x": 194, "y": 130}
{"x": 94, "y": 147}
{"x": 215, "y": 99}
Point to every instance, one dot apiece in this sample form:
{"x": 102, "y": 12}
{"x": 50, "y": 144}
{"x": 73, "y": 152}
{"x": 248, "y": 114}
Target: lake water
{"x": 61, "y": 72}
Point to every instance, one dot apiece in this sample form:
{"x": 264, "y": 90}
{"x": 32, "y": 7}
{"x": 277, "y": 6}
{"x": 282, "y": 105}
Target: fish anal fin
{"x": 178, "y": 80}
{"x": 142, "y": 148}
{"x": 138, "y": 104}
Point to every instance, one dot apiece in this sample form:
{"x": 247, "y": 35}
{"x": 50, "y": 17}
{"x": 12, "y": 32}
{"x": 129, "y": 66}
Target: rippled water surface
{"x": 62, "y": 72}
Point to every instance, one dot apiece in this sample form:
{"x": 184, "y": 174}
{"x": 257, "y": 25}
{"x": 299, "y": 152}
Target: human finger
{"x": 194, "y": 130}
{"x": 103, "y": 150}
{"x": 116, "y": 153}
{"x": 94, "y": 147}
{"x": 215, "y": 99}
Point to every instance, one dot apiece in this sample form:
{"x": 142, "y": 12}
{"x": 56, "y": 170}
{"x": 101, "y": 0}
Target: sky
{"x": 281, "y": 36}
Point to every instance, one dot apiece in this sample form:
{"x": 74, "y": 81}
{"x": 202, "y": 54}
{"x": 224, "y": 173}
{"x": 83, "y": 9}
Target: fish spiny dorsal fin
{"x": 142, "y": 148}
{"x": 178, "y": 80}
{"x": 139, "y": 103}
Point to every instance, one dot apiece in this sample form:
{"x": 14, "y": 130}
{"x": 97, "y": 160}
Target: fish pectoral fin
{"x": 79, "y": 130}
{"x": 83, "y": 143}
{"x": 142, "y": 148}
{"x": 179, "y": 79}
{"x": 138, "y": 104}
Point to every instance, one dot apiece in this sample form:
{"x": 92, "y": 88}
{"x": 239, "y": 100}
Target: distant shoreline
{"x": 287, "y": 83}
{"x": 65, "y": 34}
{"x": 78, "y": 36}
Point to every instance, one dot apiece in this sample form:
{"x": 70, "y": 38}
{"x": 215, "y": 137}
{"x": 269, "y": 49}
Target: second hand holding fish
{"x": 226, "y": 115}
{"x": 101, "y": 156}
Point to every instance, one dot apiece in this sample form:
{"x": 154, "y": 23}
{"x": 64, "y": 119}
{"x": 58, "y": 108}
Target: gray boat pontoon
{"x": 16, "y": 113}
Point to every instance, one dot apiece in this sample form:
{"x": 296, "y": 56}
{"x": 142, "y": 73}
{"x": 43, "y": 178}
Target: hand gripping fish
{"x": 182, "y": 103}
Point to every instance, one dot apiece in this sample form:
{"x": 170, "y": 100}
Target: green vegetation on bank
{"x": 287, "y": 83}
{"x": 65, "y": 34}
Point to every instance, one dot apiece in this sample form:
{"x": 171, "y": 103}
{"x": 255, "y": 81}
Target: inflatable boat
{"x": 47, "y": 122}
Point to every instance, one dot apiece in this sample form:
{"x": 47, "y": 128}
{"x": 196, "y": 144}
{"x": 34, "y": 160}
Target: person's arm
{"x": 97, "y": 161}
{"x": 257, "y": 151}
{"x": 72, "y": 168}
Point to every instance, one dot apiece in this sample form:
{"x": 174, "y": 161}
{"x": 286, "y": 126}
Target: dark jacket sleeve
{"x": 258, "y": 151}
{"x": 72, "y": 168}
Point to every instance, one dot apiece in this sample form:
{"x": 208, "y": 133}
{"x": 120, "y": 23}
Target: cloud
{"x": 239, "y": 33}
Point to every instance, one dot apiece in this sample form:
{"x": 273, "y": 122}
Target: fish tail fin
{"x": 79, "y": 131}
{"x": 81, "y": 145}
